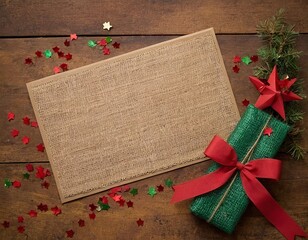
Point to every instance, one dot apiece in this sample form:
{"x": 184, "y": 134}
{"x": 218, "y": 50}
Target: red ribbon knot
{"x": 222, "y": 153}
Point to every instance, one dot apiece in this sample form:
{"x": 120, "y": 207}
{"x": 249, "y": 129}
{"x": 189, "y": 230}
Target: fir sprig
{"x": 279, "y": 40}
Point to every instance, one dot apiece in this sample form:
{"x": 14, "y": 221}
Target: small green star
{"x": 7, "y": 183}
{"x": 102, "y": 206}
{"x": 47, "y": 53}
{"x": 26, "y": 175}
{"x": 108, "y": 39}
{"x": 169, "y": 182}
{"x": 152, "y": 191}
{"x": 134, "y": 191}
{"x": 246, "y": 60}
{"x": 91, "y": 43}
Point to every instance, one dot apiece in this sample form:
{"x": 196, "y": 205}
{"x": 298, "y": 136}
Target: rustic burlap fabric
{"x": 225, "y": 206}
{"x": 135, "y": 115}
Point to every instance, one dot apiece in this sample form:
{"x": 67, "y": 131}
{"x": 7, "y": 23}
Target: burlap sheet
{"x": 134, "y": 116}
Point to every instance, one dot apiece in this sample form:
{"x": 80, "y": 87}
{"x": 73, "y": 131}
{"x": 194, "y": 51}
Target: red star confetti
{"x": 104, "y": 200}
{"x": 28, "y": 61}
{"x": 102, "y": 42}
{"x": 268, "y": 131}
{"x": 29, "y": 167}
{"x": 236, "y": 69}
{"x": 116, "y": 45}
{"x": 70, "y": 233}
{"x": 42, "y": 207}
{"x": 130, "y": 204}
{"x": 14, "y": 132}
{"x": 16, "y": 184}
{"x": 245, "y": 102}
{"x": 56, "y": 69}
{"x": 67, "y": 42}
{"x": 45, "y": 184}
{"x": 34, "y": 124}
{"x": 10, "y": 116}
{"x": 26, "y": 120}
{"x": 32, "y": 213}
{"x": 20, "y": 219}
{"x": 73, "y": 36}
{"x": 117, "y": 198}
{"x": 60, "y": 54}
{"x": 81, "y": 223}
{"x": 92, "y": 216}
{"x": 92, "y": 207}
{"x": 140, "y": 222}
{"x": 106, "y": 51}
{"x": 39, "y": 54}
{"x": 237, "y": 59}
{"x": 160, "y": 188}
{"x": 68, "y": 56}
{"x": 115, "y": 190}
{"x": 125, "y": 188}
{"x": 254, "y": 58}
{"x": 25, "y": 140}
{"x": 40, "y": 147}
{"x": 56, "y": 211}
{"x": 56, "y": 49}
{"x": 121, "y": 202}
{"x": 64, "y": 66}
{"x": 40, "y": 172}
{"x": 6, "y": 224}
{"x": 21, "y": 229}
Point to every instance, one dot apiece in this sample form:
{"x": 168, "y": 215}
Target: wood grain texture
{"x": 62, "y": 17}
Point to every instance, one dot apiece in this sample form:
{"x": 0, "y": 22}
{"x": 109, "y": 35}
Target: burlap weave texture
{"x": 135, "y": 115}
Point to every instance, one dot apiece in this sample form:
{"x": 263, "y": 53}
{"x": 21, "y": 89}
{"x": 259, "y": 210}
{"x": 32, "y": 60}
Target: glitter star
{"x": 107, "y": 25}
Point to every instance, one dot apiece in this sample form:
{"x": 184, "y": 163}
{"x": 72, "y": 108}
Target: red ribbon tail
{"x": 272, "y": 211}
{"x": 202, "y": 184}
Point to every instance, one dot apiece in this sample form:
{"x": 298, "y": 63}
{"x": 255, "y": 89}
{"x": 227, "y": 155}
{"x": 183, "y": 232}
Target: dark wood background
{"x": 30, "y": 25}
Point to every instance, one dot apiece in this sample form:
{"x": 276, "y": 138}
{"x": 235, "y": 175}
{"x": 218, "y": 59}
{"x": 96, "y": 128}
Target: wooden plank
{"x": 162, "y": 220}
{"x": 41, "y": 18}
{"x": 14, "y": 74}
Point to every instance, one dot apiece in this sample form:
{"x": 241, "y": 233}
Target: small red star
{"x": 64, "y": 66}
{"x": 92, "y": 207}
{"x": 81, "y": 223}
{"x": 60, "y": 54}
{"x": 160, "y": 188}
{"x": 68, "y": 56}
{"x": 116, "y": 45}
{"x": 28, "y": 61}
{"x": 73, "y": 36}
{"x": 237, "y": 59}
{"x": 26, "y": 120}
{"x": 125, "y": 188}
{"x": 16, "y": 184}
{"x": 56, "y": 211}
{"x": 29, "y": 167}
{"x": 32, "y": 213}
{"x": 121, "y": 202}
{"x": 245, "y": 102}
{"x": 268, "y": 131}
{"x": 20, "y": 219}
{"x": 45, "y": 184}
{"x": 102, "y": 42}
{"x": 67, "y": 42}
{"x": 92, "y": 215}
{"x": 10, "y": 116}
{"x": 25, "y": 140}
{"x": 70, "y": 233}
{"x": 40, "y": 147}
{"x": 117, "y": 198}
{"x": 38, "y": 54}
{"x": 42, "y": 207}
{"x": 140, "y": 222}
{"x": 34, "y": 124}
{"x": 14, "y": 132}
{"x": 236, "y": 69}
{"x": 56, "y": 69}
{"x": 104, "y": 200}
{"x": 21, "y": 229}
{"x": 106, "y": 51}
{"x": 130, "y": 204}
{"x": 254, "y": 58}
{"x": 56, "y": 49}
{"x": 6, "y": 224}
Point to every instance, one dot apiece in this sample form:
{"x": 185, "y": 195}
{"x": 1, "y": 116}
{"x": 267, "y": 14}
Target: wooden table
{"x": 28, "y": 26}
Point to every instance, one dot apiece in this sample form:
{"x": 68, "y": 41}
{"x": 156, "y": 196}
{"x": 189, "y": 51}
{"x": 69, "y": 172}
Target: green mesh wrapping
{"x": 241, "y": 139}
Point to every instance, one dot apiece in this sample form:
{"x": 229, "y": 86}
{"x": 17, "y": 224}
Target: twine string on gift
{"x": 246, "y": 159}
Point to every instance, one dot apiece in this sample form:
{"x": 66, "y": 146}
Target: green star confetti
{"x": 26, "y": 175}
{"x": 102, "y": 206}
{"x": 91, "y": 43}
{"x": 134, "y": 191}
{"x": 246, "y": 60}
{"x": 47, "y": 53}
{"x": 7, "y": 183}
{"x": 108, "y": 39}
{"x": 152, "y": 191}
{"x": 169, "y": 182}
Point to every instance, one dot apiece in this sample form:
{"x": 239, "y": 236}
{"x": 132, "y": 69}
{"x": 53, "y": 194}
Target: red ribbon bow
{"x": 222, "y": 153}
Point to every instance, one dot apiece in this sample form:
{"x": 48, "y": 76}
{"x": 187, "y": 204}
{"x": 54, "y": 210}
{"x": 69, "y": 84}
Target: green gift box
{"x": 224, "y": 206}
